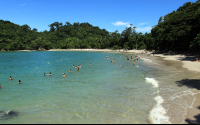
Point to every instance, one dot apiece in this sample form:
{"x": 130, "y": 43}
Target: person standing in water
{"x": 44, "y": 74}
{"x": 78, "y": 69}
{"x": 133, "y": 63}
{"x": 0, "y": 86}
{"x": 70, "y": 70}
{"x": 63, "y": 75}
{"x": 50, "y": 73}
{"x": 11, "y": 78}
{"x": 90, "y": 64}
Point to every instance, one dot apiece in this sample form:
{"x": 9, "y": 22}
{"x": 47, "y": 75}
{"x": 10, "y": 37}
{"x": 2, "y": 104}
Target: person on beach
{"x": 19, "y": 81}
{"x": 70, "y": 70}
{"x": 63, "y": 75}
{"x": 11, "y": 78}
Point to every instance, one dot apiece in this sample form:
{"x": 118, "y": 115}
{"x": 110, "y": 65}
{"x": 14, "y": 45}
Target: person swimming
{"x": 70, "y": 70}
{"x": 50, "y": 73}
{"x": 19, "y": 81}
{"x": 133, "y": 63}
{"x": 90, "y": 64}
{"x": 44, "y": 74}
{"x": 73, "y": 66}
{"x": 0, "y": 86}
{"x": 63, "y": 75}
{"x": 11, "y": 78}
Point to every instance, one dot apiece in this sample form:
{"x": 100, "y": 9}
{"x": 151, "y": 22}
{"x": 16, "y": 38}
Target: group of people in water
{"x": 136, "y": 58}
{"x": 78, "y": 67}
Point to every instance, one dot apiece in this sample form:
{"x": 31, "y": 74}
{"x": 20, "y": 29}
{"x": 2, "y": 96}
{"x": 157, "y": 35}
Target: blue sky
{"x": 106, "y": 14}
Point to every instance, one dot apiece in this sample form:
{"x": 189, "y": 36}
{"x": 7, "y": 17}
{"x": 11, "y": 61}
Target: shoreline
{"x": 186, "y": 62}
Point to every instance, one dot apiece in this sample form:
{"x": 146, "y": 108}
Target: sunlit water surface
{"x": 103, "y": 92}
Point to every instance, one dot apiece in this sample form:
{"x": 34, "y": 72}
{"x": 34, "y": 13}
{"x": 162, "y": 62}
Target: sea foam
{"x": 157, "y": 114}
{"x": 152, "y": 81}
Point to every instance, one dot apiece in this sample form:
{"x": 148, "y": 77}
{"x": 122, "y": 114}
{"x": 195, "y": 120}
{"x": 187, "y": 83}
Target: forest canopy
{"x": 176, "y": 31}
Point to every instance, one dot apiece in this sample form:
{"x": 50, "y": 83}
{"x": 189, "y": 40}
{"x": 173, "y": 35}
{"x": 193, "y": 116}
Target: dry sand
{"x": 193, "y": 114}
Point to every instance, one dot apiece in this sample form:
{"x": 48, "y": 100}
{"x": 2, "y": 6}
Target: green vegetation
{"x": 176, "y": 31}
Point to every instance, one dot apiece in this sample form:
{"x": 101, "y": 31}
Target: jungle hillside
{"x": 176, "y": 31}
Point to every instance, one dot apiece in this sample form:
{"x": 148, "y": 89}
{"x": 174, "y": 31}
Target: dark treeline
{"x": 176, "y": 31}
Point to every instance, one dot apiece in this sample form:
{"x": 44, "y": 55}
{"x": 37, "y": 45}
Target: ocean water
{"x": 102, "y": 92}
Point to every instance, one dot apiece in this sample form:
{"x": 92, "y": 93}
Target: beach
{"x": 193, "y": 112}
{"x": 180, "y": 63}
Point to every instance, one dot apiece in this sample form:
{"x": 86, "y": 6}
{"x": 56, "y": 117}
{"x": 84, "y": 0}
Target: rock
{"x": 8, "y": 114}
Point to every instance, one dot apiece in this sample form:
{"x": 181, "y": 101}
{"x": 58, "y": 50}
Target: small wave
{"x": 157, "y": 113}
{"x": 152, "y": 81}
{"x": 147, "y": 59}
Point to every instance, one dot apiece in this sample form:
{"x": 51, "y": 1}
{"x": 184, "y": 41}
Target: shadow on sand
{"x": 196, "y": 121}
{"x": 191, "y": 83}
{"x": 187, "y": 57}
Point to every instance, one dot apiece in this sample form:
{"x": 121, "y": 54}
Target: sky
{"x": 111, "y": 15}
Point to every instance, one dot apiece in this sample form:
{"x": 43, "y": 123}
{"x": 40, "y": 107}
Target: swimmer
{"x": 44, "y": 74}
{"x": 79, "y": 65}
{"x": 73, "y": 66}
{"x": 50, "y": 73}
{"x": 63, "y": 75}
{"x": 123, "y": 67}
{"x": 111, "y": 61}
{"x": 90, "y": 64}
{"x": 133, "y": 63}
{"x": 70, "y": 70}
{"x": 19, "y": 81}
{"x": 11, "y": 78}
{"x": 0, "y": 86}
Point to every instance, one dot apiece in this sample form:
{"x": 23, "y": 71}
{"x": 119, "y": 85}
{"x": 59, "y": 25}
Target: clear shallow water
{"x": 99, "y": 93}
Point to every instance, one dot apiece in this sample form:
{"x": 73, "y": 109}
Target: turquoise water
{"x": 99, "y": 93}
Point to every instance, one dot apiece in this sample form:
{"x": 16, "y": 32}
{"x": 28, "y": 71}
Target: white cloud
{"x": 22, "y": 4}
{"x": 145, "y": 29}
{"x": 143, "y": 23}
{"x": 122, "y": 24}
